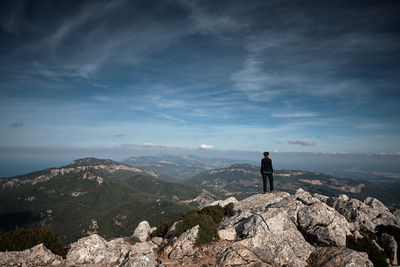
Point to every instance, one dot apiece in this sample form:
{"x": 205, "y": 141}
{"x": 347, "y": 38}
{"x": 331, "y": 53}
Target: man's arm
{"x": 272, "y": 168}
{"x": 261, "y": 168}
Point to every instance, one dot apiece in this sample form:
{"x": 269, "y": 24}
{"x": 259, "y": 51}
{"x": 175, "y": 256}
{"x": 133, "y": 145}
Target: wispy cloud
{"x": 119, "y": 135}
{"x": 303, "y": 142}
{"x": 294, "y": 115}
{"x": 154, "y": 145}
{"x": 208, "y": 21}
{"x": 204, "y": 146}
{"x": 257, "y": 84}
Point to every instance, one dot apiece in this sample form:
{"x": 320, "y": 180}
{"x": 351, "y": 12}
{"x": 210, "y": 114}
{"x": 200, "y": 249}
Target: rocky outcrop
{"x": 96, "y": 250}
{"x": 335, "y": 257}
{"x": 238, "y": 255}
{"x": 184, "y": 245}
{"x": 223, "y": 203}
{"x": 363, "y": 216}
{"x": 273, "y": 229}
{"x": 142, "y": 231}
{"x": 323, "y": 225}
{"x": 39, "y": 255}
{"x": 274, "y": 238}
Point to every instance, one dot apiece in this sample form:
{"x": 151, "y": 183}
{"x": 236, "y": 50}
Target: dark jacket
{"x": 266, "y": 165}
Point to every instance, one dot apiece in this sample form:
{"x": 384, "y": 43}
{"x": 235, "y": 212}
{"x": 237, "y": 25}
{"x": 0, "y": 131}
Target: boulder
{"x": 291, "y": 205}
{"x": 338, "y": 256}
{"x": 171, "y": 230}
{"x": 260, "y": 202}
{"x": 305, "y": 197}
{"x": 364, "y": 216}
{"x": 322, "y": 224}
{"x": 38, "y": 255}
{"x": 184, "y": 245}
{"x": 274, "y": 238}
{"x": 142, "y": 231}
{"x": 238, "y": 255}
{"x": 389, "y": 244}
{"x": 96, "y": 250}
{"x": 396, "y": 213}
{"x": 223, "y": 203}
{"x": 227, "y": 234}
{"x": 320, "y": 197}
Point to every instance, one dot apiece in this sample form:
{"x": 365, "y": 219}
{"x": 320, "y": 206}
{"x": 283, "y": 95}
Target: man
{"x": 267, "y": 170}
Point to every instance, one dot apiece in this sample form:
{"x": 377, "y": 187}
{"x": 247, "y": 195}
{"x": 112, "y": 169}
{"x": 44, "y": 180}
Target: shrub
{"x": 208, "y": 229}
{"x": 188, "y": 214}
{"x": 228, "y": 210}
{"x": 208, "y": 218}
{"x": 366, "y": 244}
{"x": 21, "y": 239}
{"x": 132, "y": 240}
{"x": 162, "y": 229}
{"x": 215, "y": 212}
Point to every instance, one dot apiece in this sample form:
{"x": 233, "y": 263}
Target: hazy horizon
{"x": 26, "y": 160}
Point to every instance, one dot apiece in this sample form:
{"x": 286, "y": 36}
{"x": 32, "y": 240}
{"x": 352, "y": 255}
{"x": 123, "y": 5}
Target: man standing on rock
{"x": 267, "y": 170}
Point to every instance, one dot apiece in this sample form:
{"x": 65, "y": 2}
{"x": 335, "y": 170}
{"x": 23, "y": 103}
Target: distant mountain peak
{"x": 93, "y": 161}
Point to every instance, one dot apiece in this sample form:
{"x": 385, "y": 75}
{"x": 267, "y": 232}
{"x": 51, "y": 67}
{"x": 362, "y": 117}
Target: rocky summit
{"x": 273, "y": 229}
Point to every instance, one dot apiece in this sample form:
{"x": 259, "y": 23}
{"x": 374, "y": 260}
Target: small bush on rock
{"x": 216, "y": 213}
{"x": 162, "y": 229}
{"x": 366, "y": 244}
{"x": 208, "y": 219}
{"x": 132, "y": 240}
{"x": 21, "y": 239}
{"x": 228, "y": 210}
{"x": 208, "y": 229}
{"x": 188, "y": 214}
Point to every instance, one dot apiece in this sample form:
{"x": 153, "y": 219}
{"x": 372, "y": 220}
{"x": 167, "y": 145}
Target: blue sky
{"x": 223, "y": 75}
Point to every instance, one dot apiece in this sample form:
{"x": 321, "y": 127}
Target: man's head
{"x": 266, "y": 154}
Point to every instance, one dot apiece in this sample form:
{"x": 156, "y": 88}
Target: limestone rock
{"x": 96, "y": 250}
{"x": 142, "y": 231}
{"x": 184, "y": 245}
{"x": 140, "y": 255}
{"x": 364, "y": 216}
{"x": 274, "y": 238}
{"x": 320, "y": 197}
{"x": 38, "y": 255}
{"x": 171, "y": 230}
{"x": 323, "y": 225}
{"x": 238, "y": 255}
{"x": 397, "y": 214}
{"x": 223, "y": 203}
{"x": 305, "y": 197}
{"x": 260, "y": 202}
{"x": 227, "y": 234}
{"x": 291, "y": 205}
{"x": 339, "y": 256}
{"x": 389, "y": 244}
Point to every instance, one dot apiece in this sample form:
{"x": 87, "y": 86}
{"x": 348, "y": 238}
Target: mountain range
{"x": 90, "y": 196}
{"x": 103, "y": 196}
{"x": 179, "y": 168}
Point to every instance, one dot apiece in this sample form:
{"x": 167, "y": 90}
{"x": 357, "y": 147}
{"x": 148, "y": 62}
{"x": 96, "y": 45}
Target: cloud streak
{"x": 303, "y": 142}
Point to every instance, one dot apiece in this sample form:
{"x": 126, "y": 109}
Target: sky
{"x": 283, "y": 76}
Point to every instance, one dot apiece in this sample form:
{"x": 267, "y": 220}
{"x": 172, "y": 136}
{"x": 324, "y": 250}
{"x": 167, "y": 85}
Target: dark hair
{"x": 266, "y": 153}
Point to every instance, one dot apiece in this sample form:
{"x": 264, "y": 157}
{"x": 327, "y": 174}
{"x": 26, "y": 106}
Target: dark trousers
{"x": 271, "y": 181}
